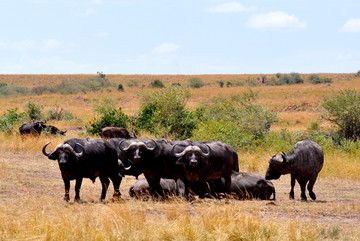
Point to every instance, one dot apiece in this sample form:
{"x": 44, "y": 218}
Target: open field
{"x": 31, "y": 188}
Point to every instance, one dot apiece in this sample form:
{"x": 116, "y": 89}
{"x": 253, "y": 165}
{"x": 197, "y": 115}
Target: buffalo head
{"x": 64, "y": 153}
{"x": 191, "y": 155}
{"x": 277, "y": 166}
{"x": 136, "y": 150}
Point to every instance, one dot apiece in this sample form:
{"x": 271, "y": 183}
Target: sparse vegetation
{"x": 31, "y": 186}
{"x": 195, "y": 83}
{"x": 316, "y": 79}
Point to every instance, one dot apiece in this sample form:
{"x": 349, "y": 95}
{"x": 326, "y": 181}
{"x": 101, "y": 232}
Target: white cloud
{"x": 52, "y": 43}
{"x": 230, "y": 7}
{"x": 351, "y": 26}
{"x": 165, "y": 48}
{"x": 275, "y": 21}
{"x": 97, "y": 1}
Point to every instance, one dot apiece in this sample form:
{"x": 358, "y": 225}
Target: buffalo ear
{"x": 283, "y": 155}
{"x": 181, "y": 160}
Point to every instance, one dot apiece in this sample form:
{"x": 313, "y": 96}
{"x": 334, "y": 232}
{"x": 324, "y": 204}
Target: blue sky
{"x": 179, "y": 36}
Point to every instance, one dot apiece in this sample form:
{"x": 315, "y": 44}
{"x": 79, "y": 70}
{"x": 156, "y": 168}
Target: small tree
{"x": 157, "y": 84}
{"x": 196, "y": 83}
{"x": 163, "y": 113}
{"x": 34, "y": 111}
{"x": 343, "y": 110}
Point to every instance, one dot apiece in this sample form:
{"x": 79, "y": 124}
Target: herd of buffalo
{"x": 183, "y": 167}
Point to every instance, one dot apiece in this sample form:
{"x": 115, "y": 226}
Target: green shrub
{"x": 12, "y": 90}
{"x": 163, "y": 113}
{"x": 286, "y": 79}
{"x": 175, "y": 85}
{"x": 220, "y": 83}
{"x": 40, "y": 90}
{"x": 34, "y": 111}
{"x": 120, "y": 87}
{"x": 157, "y": 84}
{"x": 238, "y": 120}
{"x": 115, "y": 117}
{"x": 106, "y": 115}
{"x": 195, "y": 83}
{"x": 9, "y": 119}
{"x": 316, "y": 79}
{"x": 343, "y": 110}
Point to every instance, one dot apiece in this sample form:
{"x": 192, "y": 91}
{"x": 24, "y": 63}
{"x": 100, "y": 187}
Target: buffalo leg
{"x": 302, "y": 184}
{"x": 77, "y": 188}
{"x": 311, "y": 185}
{"x": 67, "y": 190}
{"x": 291, "y": 194}
{"x": 105, "y": 184}
{"x": 116, "y": 183}
{"x": 155, "y": 186}
{"x": 228, "y": 183}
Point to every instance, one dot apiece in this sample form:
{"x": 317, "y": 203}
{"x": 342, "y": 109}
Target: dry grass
{"x": 31, "y": 188}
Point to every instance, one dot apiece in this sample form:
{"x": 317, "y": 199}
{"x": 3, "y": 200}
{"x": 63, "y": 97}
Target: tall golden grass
{"x": 31, "y": 188}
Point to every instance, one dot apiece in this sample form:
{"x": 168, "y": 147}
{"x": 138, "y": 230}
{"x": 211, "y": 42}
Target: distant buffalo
{"x": 54, "y": 130}
{"x": 34, "y": 128}
{"x": 303, "y": 162}
{"x": 116, "y": 132}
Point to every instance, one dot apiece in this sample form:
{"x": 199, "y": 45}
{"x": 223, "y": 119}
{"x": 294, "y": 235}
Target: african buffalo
{"x": 246, "y": 186}
{"x": 116, "y": 132}
{"x": 303, "y": 162}
{"x": 34, "y": 128}
{"x": 154, "y": 158}
{"x": 207, "y": 162}
{"x": 54, "y": 130}
{"x": 87, "y": 158}
{"x": 170, "y": 187}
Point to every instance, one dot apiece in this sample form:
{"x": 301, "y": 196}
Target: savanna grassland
{"x": 31, "y": 187}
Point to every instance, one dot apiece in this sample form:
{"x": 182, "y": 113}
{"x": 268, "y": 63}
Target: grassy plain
{"x": 31, "y": 188}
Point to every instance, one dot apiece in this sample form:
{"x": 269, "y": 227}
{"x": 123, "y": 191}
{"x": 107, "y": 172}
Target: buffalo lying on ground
{"x": 116, "y": 132}
{"x": 303, "y": 162}
{"x": 170, "y": 187}
{"x": 87, "y": 158}
{"x": 207, "y": 162}
{"x": 54, "y": 130}
{"x": 34, "y": 128}
{"x": 246, "y": 186}
{"x": 243, "y": 186}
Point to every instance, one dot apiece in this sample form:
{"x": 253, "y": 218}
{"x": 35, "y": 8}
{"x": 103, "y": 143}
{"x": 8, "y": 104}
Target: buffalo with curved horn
{"x": 87, "y": 158}
{"x": 154, "y": 158}
{"x": 202, "y": 166}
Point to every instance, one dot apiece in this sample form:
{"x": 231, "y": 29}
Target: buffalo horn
{"x": 191, "y": 148}
{"x": 44, "y": 149}
{"x": 138, "y": 144}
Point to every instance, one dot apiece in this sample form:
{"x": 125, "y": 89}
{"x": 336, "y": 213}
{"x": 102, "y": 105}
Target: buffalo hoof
{"x": 66, "y": 198}
{"x": 312, "y": 195}
{"x": 116, "y": 197}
